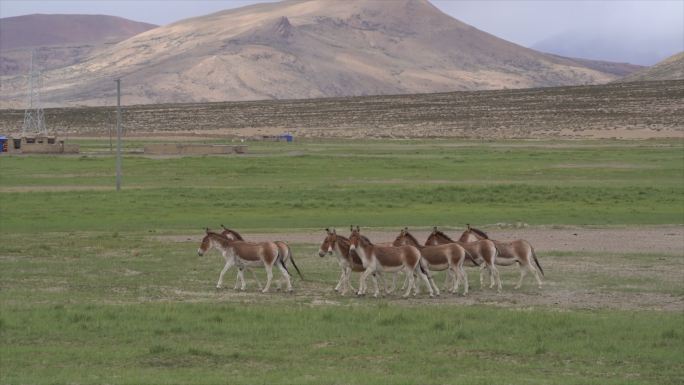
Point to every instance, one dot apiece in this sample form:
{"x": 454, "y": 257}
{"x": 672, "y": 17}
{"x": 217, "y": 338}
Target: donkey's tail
{"x": 293, "y": 262}
{"x": 536, "y": 261}
{"x": 281, "y": 259}
{"x": 423, "y": 268}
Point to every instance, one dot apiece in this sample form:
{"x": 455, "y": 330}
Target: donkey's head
{"x": 206, "y": 243}
{"x": 472, "y": 234}
{"x": 355, "y": 239}
{"x": 328, "y": 244}
{"x": 405, "y": 238}
{"x": 437, "y": 237}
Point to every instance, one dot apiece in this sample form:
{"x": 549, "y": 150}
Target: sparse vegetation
{"x": 614, "y": 110}
{"x": 98, "y": 287}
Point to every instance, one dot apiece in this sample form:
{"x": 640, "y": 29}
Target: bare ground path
{"x": 629, "y": 268}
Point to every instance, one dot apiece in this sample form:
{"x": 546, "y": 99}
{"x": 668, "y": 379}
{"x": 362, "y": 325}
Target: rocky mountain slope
{"x": 305, "y": 49}
{"x": 671, "y": 68}
{"x": 59, "y": 40}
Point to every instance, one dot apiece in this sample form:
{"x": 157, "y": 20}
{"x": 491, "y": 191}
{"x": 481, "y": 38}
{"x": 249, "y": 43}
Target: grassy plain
{"x": 382, "y": 183}
{"x": 97, "y": 286}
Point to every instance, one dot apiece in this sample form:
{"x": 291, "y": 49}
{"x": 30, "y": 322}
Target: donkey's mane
{"x": 234, "y": 234}
{"x": 411, "y": 237}
{"x": 343, "y": 239}
{"x": 365, "y": 239}
{"x": 441, "y": 234}
{"x": 219, "y": 237}
{"x": 479, "y": 232}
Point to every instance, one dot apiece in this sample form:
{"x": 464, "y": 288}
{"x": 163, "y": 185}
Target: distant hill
{"x": 59, "y": 40}
{"x": 671, "y": 68}
{"x": 306, "y": 49}
{"x": 627, "y": 45}
{"x": 614, "y": 68}
{"x": 48, "y": 30}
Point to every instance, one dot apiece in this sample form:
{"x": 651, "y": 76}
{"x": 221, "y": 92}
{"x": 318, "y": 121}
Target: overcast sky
{"x": 523, "y": 22}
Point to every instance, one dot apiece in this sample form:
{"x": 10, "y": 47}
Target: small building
{"x": 39, "y": 144}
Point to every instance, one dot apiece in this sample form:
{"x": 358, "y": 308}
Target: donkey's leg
{"x": 492, "y": 281}
{"x": 378, "y": 276}
{"x": 362, "y": 282}
{"x": 403, "y": 285}
{"x": 495, "y": 273}
{"x": 374, "y": 277}
{"x": 349, "y": 279}
{"x": 241, "y": 275}
{"x": 339, "y": 282}
{"x": 465, "y": 279}
{"x": 237, "y": 280}
{"x": 455, "y": 278}
{"x": 426, "y": 279}
{"x": 416, "y": 286}
{"x": 536, "y": 275}
{"x": 431, "y": 282}
{"x": 285, "y": 275}
{"x": 411, "y": 281}
{"x": 448, "y": 280}
{"x": 255, "y": 277}
{"x": 449, "y": 272}
{"x": 483, "y": 266}
{"x": 269, "y": 277}
{"x": 229, "y": 264}
{"x": 523, "y": 272}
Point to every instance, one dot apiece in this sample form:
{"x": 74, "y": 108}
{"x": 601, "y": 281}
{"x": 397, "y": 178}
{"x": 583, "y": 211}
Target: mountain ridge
{"x": 671, "y": 68}
{"x": 306, "y": 49}
{"x": 59, "y": 40}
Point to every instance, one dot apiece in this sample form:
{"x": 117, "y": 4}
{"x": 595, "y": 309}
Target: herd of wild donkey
{"x": 358, "y": 253}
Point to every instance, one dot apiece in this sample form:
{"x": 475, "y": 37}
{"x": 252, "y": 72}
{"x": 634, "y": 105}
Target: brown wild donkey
{"x": 518, "y": 251}
{"x": 447, "y": 257}
{"x": 348, "y": 260}
{"x": 283, "y": 248}
{"x": 388, "y": 259}
{"x": 483, "y": 251}
{"x": 242, "y": 254}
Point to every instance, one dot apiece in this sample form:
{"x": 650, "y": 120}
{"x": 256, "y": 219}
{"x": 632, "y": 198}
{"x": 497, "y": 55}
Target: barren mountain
{"x": 671, "y": 68}
{"x": 59, "y": 40}
{"x": 306, "y": 49}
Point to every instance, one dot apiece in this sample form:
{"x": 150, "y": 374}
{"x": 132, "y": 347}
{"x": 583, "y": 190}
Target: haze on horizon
{"x": 636, "y": 31}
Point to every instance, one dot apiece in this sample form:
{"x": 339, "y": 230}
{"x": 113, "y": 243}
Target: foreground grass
{"x": 252, "y": 343}
{"x": 132, "y": 308}
{"x": 320, "y": 184}
{"x": 92, "y": 291}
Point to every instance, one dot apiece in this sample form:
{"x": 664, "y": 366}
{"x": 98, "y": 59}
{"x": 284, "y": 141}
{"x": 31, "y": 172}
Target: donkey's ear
{"x": 468, "y": 226}
{"x": 334, "y": 232}
{"x": 327, "y": 230}
{"x": 206, "y": 229}
{"x": 358, "y": 228}
{"x": 434, "y": 228}
{"x": 223, "y": 227}
{"x": 351, "y": 227}
{"x": 406, "y": 228}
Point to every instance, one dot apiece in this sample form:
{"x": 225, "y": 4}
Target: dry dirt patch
{"x": 591, "y": 281}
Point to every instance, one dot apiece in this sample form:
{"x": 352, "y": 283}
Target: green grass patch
{"x": 320, "y": 184}
{"x": 256, "y": 343}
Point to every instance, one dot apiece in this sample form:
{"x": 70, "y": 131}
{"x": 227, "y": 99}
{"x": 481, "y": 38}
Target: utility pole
{"x": 118, "y": 134}
{"x": 34, "y": 120}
